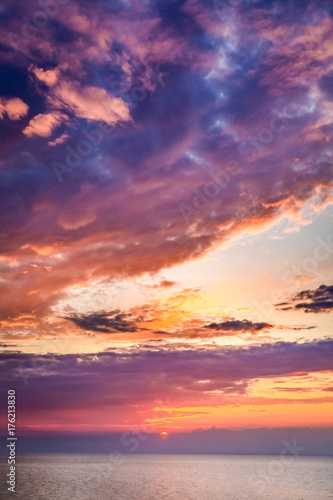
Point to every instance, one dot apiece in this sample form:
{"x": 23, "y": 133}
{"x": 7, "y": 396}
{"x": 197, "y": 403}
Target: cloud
{"x": 106, "y": 322}
{"x": 297, "y": 328}
{"x": 44, "y": 124}
{"x": 162, "y": 332}
{"x": 72, "y": 220}
{"x": 240, "y": 326}
{"x": 170, "y": 318}
{"x": 59, "y": 140}
{"x": 92, "y": 103}
{"x": 294, "y": 389}
{"x": 167, "y": 284}
{"x": 217, "y": 135}
{"x": 14, "y": 107}
{"x": 50, "y": 77}
{"x": 316, "y": 301}
{"x": 109, "y": 381}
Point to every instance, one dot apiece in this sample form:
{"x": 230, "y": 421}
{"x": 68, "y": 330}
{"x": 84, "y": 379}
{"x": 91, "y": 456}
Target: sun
{"x": 164, "y": 435}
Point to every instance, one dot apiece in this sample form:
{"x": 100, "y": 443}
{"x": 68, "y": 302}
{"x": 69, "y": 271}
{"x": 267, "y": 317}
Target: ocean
{"x": 170, "y": 477}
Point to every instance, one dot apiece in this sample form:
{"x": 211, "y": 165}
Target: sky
{"x": 166, "y": 237}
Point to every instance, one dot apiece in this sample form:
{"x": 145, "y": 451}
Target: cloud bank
{"x": 169, "y": 129}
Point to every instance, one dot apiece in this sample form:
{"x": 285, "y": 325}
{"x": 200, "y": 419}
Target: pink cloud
{"x": 72, "y": 220}
{"x": 59, "y": 140}
{"x": 92, "y": 103}
{"x": 49, "y": 76}
{"x": 14, "y": 107}
{"x": 44, "y": 124}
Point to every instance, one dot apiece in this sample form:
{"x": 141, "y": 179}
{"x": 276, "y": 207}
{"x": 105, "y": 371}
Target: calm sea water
{"x": 171, "y": 477}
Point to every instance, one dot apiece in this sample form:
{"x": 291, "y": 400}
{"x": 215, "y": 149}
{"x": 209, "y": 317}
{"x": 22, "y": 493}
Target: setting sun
{"x": 164, "y": 435}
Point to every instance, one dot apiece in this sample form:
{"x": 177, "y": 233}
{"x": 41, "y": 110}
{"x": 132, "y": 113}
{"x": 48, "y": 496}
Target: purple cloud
{"x": 112, "y": 379}
{"x": 168, "y": 133}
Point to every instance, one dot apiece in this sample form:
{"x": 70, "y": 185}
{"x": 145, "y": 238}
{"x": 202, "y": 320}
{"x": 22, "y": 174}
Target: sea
{"x": 169, "y": 477}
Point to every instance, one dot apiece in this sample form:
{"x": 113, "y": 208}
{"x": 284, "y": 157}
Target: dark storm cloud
{"x": 240, "y": 326}
{"x": 316, "y": 301}
{"x": 106, "y": 322}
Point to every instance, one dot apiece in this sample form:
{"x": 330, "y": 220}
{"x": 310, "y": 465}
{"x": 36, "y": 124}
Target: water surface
{"x": 171, "y": 477}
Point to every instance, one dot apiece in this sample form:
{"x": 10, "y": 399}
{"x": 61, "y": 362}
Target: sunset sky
{"x": 166, "y": 209}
